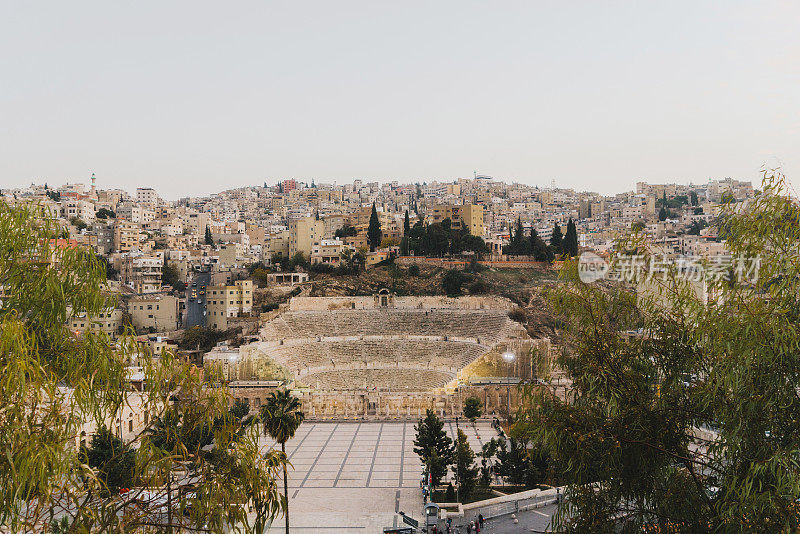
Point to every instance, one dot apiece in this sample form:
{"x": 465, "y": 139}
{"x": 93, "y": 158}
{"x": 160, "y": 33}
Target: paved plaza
{"x": 354, "y": 477}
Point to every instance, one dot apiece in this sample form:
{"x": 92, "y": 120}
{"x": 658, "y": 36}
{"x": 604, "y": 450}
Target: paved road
{"x": 195, "y": 315}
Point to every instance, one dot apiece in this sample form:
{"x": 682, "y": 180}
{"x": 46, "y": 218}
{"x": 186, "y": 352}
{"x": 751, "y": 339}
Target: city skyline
{"x": 595, "y": 97}
{"x": 274, "y": 183}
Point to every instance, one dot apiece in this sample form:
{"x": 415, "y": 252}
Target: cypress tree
{"x": 519, "y": 238}
{"x": 406, "y": 225}
{"x": 532, "y": 239}
{"x": 374, "y": 230}
{"x": 209, "y": 239}
{"x": 556, "y": 239}
{"x": 570, "y": 243}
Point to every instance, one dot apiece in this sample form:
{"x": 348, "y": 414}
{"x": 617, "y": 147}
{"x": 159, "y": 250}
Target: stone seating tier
{"x": 486, "y": 325}
{"x": 444, "y": 355}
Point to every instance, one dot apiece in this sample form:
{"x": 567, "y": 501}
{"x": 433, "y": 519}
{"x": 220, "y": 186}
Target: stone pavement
{"x": 531, "y": 521}
{"x": 354, "y": 477}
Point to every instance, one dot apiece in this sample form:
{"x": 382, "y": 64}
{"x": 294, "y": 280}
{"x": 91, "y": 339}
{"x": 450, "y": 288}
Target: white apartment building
{"x": 77, "y": 208}
{"x": 147, "y": 196}
{"x": 327, "y": 251}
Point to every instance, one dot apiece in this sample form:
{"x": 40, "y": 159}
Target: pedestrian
{"x": 480, "y": 520}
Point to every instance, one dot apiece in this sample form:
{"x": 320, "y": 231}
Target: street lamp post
{"x": 509, "y": 357}
{"x": 231, "y": 362}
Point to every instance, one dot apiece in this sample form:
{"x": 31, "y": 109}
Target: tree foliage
{"x": 473, "y": 408}
{"x": 55, "y": 385}
{"x": 105, "y": 213}
{"x": 533, "y": 245}
{"x": 556, "y": 239}
{"x": 113, "y": 459}
{"x": 374, "y": 229}
{"x": 452, "y": 281}
{"x": 440, "y": 239}
{"x": 465, "y": 470}
{"x": 519, "y": 464}
{"x": 346, "y": 231}
{"x": 170, "y": 276}
{"x": 281, "y": 416}
{"x": 694, "y": 424}
{"x": 433, "y": 446}
{"x": 569, "y": 244}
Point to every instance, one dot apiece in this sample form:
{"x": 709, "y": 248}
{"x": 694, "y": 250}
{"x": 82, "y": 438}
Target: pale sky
{"x": 197, "y": 97}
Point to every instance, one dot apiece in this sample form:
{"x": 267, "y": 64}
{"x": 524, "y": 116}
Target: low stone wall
{"x": 516, "y": 262}
{"x": 415, "y": 302}
{"x": 385, "y": 405}
{"x": 390, "y": 405}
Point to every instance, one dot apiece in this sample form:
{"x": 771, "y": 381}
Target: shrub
{"x": 479, "y": 287}
{"x": 322, "y": 268}
{"x": 413, "y": 270}
{"x": 518, "y": 315}
{"x": 450, "y": 493}
{"x": 452, "y": 282}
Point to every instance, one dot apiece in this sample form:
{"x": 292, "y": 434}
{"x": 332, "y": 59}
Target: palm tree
{"x": 281, "y": 416}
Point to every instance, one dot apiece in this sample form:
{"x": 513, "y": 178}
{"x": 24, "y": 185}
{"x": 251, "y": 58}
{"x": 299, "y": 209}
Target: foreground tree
{"x": 282, "y": 417}
{"x": 113, "y": 460}
{"x": 433, "y": 446}
{"x": 465, "y": 470}
{"x": 694, "y": 424}
{"x": 473, "y": 408}
{"x": 56, "y": 384}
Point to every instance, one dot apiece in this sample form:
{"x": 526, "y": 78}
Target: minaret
{"x": 93, "y": 191}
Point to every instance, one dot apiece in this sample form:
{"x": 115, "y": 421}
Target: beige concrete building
{"x": 142, "y": 273}
{"x": 466, "y": 216}
{"x": 224, "y": 302}
{"x": 80, "y": 209}
{"x": 327, "y": 251}
{"x": 126, "y": 235}
{"x": 108, "y": 322}
{"x": 195, "y": 223}
{"x": 276, "y": 243}
{"x": 303, "y": 233}
{"x": 159, "y": 312}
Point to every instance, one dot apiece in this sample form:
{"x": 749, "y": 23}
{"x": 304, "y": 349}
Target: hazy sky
{"x": 198, "y": 97}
